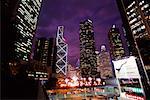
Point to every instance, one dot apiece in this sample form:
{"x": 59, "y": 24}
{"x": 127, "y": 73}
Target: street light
{"x": 90, "y": 81}
{"x": 98, "y": 80}
{"x": 67, "y": 80}
{"x": 75, "y": 78}
{"x": 118, "y": 69}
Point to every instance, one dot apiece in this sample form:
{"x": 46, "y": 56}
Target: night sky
{"x": 69, "y": 13}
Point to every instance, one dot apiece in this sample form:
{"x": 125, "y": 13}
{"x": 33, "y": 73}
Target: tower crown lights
{"x": 103, "y": 48}
{"x": 114, "y": 26}
{"x": 89, "y": 21}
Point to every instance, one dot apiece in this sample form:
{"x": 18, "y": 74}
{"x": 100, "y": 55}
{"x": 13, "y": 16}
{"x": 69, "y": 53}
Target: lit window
{"x": 142, "y": 8}
{"x": 131, "y": 10}
{"x": 131, "y": 4}
{"x": 143, "y": 27}
{"x": 135, "y": 19}
{"x": 146, "y": 6}
{"x": 140, "y": 3}
{"x": 134, "y": 32}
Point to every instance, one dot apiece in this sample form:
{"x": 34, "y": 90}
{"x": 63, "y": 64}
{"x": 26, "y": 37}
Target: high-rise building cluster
{"x": 93, "y": 63}
{"x": 20, "y": 22}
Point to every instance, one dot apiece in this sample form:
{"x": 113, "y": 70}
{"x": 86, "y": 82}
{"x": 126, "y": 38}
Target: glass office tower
{"x": 88, "y": 61}
{"x": 19, "y": 24}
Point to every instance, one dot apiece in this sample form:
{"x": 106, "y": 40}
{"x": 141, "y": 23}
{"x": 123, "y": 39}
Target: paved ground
{"x": 82, "y": 94}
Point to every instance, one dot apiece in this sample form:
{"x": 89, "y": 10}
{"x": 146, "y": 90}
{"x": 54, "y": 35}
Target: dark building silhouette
{"x": 45, "y": 52}
{"x": 23, "y": 90}
{"x": 88, "y": 61}
{"x": 116, "y": 46}
{"x": 18, "y": 24}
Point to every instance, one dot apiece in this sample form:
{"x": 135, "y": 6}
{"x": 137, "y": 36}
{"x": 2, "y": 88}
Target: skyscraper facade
{"x": 116, "y": 45}
{"x": 45, "y": 52}
{"x": 136, "y": 22}
{"x": 88, "y": 61}
{"x": 41, "y": 51}
{"x": 135, "y": 16}
{"x": 105, "y": 64}
{"x": 62, "y": 53}
{"x": 19, "y": 25}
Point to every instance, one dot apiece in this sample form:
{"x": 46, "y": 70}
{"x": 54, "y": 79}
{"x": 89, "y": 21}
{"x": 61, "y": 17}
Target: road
{"x": 96, "y": 93}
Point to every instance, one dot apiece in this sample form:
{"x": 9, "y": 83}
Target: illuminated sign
{"x": 126, "y": 68}
{"x": 128, "y": 77}
{"x": 132, "y": 89}
{"x": 134, "y": 97}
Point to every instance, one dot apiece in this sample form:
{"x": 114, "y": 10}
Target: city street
{"x": 91, "y": 93}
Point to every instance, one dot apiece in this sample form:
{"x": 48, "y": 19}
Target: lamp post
{"x": 118, "y": 69}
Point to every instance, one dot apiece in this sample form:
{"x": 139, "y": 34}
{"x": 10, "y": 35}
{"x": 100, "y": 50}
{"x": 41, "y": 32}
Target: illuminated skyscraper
{"x": 105, "y": 65}
{"x": 88, "y": 61}
{"x": 19, "y": 25}
{"x": 136, "y": 22}
{"x": 62, "y": 53}
{"x": 116, "y": 46}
